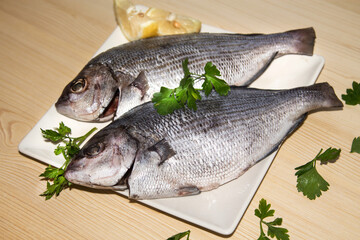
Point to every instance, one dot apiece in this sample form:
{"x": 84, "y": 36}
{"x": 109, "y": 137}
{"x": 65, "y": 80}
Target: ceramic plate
{"x": 219, "y": 210}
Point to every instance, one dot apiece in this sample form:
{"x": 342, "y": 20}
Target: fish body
{"x": 128, "y": 75}
{"x": 188, "y": 152}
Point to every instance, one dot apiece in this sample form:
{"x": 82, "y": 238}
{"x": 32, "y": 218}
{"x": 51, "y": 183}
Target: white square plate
{"x": 219, "y": 210}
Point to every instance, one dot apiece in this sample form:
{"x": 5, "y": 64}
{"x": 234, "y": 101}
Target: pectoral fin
{"x": 152, "y": 143}
{"x": 140, "y": 83}
{"x": 164, "y": 150}
{"x": 133, "y": 94}
{"x": 189, "y": 190}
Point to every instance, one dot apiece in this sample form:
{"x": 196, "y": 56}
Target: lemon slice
{"x": 179, "y": 26}
{"x": 171, "y": 23}
{"x": 136, "y": 24}
{"x": 157, "y": 13}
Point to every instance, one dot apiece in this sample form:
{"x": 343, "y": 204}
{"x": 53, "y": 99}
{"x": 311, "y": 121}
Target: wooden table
{"x": 43, "y": 45}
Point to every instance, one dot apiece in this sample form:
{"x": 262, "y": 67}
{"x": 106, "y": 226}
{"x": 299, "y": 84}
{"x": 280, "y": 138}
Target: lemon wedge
{"x": 171, "y": 23}
{"x": 179, "y": 25}
{"x": 157, "y": 13}
{"x": 136, "y": 24}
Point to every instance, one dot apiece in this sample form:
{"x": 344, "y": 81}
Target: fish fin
{"x": 262, "y": 70}
{"x": 140, "y": 83}
{"x": 188, "y": 190}
{"x": 164, "y": 150}
{"x": 152, "y": 143}
{"x": 302, "y": 42}
{"x": 119, "y": 187}
{"x": 154, "y": 193}
{"x": 297, "y": 123}
{"x": 325, "y": 94}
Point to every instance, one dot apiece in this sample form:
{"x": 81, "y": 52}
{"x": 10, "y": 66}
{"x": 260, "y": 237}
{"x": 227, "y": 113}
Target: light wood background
{"x": 44, "y": 44}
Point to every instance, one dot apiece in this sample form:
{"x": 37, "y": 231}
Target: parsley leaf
{"x": 309, "y": 181}
{"x": 211, "y": 79}
{"x": 71, "y": 148}
{"x": 165, "y": 101}
{"x": 168, "y": 100}
{"x": 352, "y": 96}
{"x": 263, "y": 212}
{"x": 180, "y": 236}
{"x": 330, "y": 154}
{"x": 311, "y": 184}
{"x": 355, "y": 146}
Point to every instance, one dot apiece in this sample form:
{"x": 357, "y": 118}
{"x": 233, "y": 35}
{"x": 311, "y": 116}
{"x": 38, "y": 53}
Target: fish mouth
{"x": 71, "y": 176}
{"x": 110, "y": 110}
{"x": 90, "y": 185}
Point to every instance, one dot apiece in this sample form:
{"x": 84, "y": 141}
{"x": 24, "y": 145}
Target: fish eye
{"x": 94, "y": 149}
{"x": 79, "y": 85}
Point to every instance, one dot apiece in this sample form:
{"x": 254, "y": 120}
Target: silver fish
{"x": 128, "y": 75}
{"x": 187, "y": 152}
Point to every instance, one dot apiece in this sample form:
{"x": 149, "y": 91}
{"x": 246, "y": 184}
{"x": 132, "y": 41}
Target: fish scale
{"x": 138, "y": 69}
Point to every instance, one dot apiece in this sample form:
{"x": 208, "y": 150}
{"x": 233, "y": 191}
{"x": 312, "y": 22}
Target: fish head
{"x": 104, "y": 160}
{"x": 92, "y": 95}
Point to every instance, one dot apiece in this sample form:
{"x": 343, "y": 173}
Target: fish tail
{"x": 322, "y": 95}
{"x": 327, "y": 95}
{"x": 301, "y": 41}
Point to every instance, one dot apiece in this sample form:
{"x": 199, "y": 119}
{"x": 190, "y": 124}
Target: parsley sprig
{"x": 352, "y": 96}
{"x": 263, "y": 212}
{"x": 168, "y": 100}
{"x": 70, "y": 149}
{"x": 180, "y": 236}
{"x": 309, "y": 181}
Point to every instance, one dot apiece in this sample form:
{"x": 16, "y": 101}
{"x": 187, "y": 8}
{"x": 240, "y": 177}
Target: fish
{"x": 128, "y": 75}
{"x": 189, "y": 152}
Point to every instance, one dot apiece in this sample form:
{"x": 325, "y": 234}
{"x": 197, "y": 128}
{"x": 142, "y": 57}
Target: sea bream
{"x": 188, "y": 152}
{"x": 128, "y": 75}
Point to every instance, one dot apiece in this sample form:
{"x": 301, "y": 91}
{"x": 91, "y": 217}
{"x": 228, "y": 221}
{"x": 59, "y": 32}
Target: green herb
{"x": 263, "y": 212}
{"x": 70, "y": 149}
{"x": 309, "y": 181}
{"x": 180, "y": 236}
{"x": 352, "y": 96}
{"x": 168, "y": 100}
{"x": 355, "y": 146}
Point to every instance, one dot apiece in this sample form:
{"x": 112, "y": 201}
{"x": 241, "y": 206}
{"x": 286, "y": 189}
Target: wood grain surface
{"x": 44, "y": 44}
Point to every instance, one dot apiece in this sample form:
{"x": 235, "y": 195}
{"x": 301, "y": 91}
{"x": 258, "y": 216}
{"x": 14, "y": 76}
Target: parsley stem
{"x": 261, "y": 229}
{"x": 81, "y": 139}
